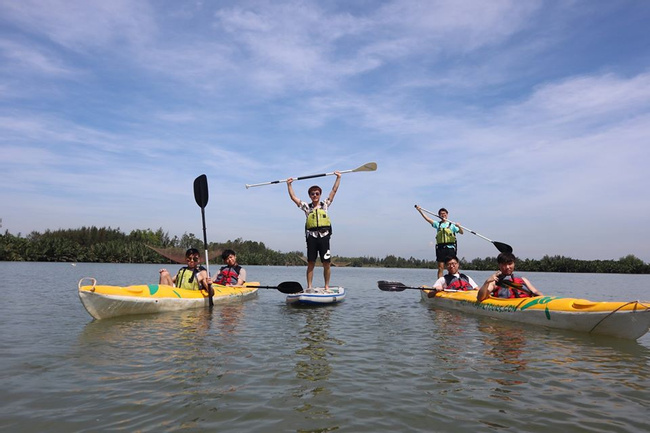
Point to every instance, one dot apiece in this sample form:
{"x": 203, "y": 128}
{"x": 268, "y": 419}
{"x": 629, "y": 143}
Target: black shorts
{"x": 318, "y": 246}
{"x": 444, "y": 252}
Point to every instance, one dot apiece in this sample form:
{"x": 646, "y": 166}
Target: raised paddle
{"x": 369, "y": 166}
{"x": 504, "y": 248}
{"x": 287, "y": 287}
{"x": 201, "y": 197}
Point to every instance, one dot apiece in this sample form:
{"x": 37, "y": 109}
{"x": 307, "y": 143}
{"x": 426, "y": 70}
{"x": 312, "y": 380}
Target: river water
{"x": 379, "y": 362}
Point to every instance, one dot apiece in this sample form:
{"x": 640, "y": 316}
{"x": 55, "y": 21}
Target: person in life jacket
{"x": 446, "y": 245}
{"x": 190, "y": 277}
{"x": 318, "y": 227}
{"x": 453, "y": 280}
{"x": 231, "y": 274}
{"x": 503, "y": 283}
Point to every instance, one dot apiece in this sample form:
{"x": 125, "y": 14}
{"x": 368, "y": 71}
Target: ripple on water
{"x": 377, "y": 362}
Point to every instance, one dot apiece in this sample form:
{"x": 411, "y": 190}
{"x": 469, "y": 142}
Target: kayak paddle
{"x": 396, "y": 286}
{"x": 201, "y": 197}
{"x": 369, "y": 166}
{"x": 504, "y": 248}
{"x": 288, "y": 287}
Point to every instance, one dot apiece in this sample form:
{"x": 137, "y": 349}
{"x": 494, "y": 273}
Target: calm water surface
{"x": 377, "y": 362}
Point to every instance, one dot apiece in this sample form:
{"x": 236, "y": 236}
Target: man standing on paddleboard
{"x": 318, "y": 228}
{"x": 446, "y": 245}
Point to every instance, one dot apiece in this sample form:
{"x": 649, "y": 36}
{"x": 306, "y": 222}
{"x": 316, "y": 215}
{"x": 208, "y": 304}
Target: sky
{"x": 528, "y": 120}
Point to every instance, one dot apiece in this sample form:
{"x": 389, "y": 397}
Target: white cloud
{"x": 80, "y": 25}
{"x": 123, "y": 104}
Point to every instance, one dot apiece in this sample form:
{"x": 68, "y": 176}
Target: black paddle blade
{"x": 504, "y": 248}
{"x": 391, "y": 286}
{"x": 290, "y": 287}
{"x": 201, "y": 190}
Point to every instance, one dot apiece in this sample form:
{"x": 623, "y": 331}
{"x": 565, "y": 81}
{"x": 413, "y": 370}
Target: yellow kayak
{"x": 103, "y": 302}
{"x": 629, "y": 320}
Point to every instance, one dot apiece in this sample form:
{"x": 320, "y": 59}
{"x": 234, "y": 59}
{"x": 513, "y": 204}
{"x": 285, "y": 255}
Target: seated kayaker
{"x": 231, "y": 274}
{"x": 190, "y": 277}
{"x": 503, "y": 283}
{"x": 453, "y": 280}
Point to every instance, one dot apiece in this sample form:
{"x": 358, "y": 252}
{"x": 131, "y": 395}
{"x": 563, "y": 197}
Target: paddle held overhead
{"x": 504, "y": 248}
{"x": 369, "y": 166}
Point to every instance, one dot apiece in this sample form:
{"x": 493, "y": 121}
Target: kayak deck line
{"x": 635, "y": 303}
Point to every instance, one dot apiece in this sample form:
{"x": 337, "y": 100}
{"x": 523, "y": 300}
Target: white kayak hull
{"x": 103, "y": 302}
{"x": 317, "y": 296}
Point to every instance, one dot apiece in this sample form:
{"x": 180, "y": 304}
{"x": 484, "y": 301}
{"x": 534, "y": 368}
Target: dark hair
{"x": 226, "y": 253}
{"x": 506, "y": 258}
{"x": 449, "y": 259}
{"x": 314, "y": 188}
{"x": 191, "y": 252}
{"x": 442, "y": 209}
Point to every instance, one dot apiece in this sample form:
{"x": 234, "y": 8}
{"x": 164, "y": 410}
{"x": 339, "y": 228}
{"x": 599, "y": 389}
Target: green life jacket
{"x": 318, "y": 219}
{"x": 188, "y": 278}
{"x": 445, "y": 235}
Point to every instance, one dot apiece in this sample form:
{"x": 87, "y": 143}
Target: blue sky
{"x": 528, "y": 120}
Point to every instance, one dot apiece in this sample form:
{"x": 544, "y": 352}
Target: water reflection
{"x": 192, "y": 358}
{"x": 506, "y": 345}
{"x": 453, "y": 334}
{"x": 170, "y": 344}
{"x": 313, "y": 367}
{"x": 229, "y": 318}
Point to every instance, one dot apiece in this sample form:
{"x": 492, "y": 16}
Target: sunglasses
{"x": 192, "y": 259}
{"x": 314, "y": 193}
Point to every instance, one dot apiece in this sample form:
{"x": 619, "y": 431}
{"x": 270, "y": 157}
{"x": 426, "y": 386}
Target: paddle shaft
{"x": 370, "y": 166}
{"x": 430, "y": 288}
{"x": 205, "y": 241}
{"x": 500, "y": 245}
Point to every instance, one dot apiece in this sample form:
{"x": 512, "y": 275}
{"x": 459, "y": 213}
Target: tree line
{"x": 111, "y": 245}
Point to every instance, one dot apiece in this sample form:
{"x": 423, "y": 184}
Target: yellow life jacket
{"x": 317, "y": 219}
{"x": 445, "y": 235}
{"x": 188, "y": 279}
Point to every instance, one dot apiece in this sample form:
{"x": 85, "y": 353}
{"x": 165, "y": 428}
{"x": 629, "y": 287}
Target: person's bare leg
{"x": 165, "y": 278}
{"x": 310, "y": 273}
{"x": 326, "y": 274}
